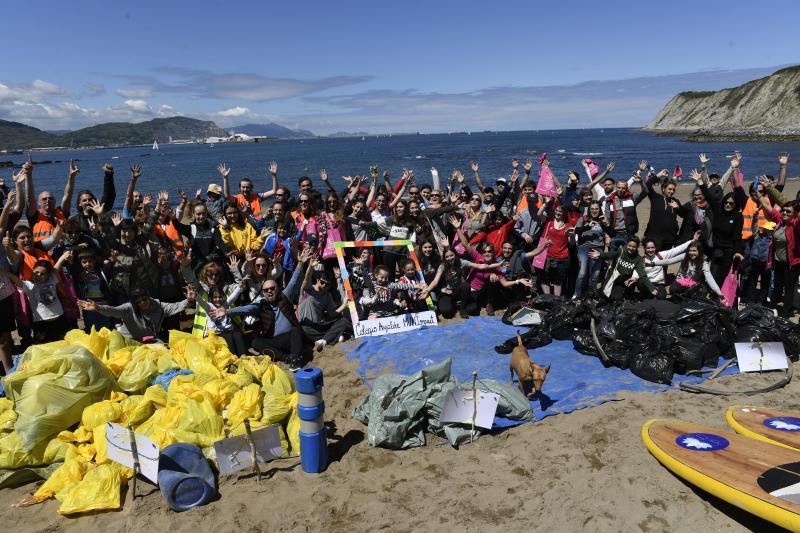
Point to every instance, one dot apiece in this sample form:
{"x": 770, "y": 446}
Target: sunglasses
{"x": 261, "y": 265}
{"x": 268, "y": 289}
{"x": 475, "y": 199}
{"x": 302, "y": 202}
{"x": 696, "y": 197}
{"x": 212, "y": 274}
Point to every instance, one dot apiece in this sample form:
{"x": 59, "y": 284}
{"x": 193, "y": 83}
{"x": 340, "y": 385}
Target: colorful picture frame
{"x": 384, "y": 325}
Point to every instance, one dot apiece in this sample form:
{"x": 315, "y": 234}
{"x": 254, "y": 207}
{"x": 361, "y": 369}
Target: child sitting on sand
{"x": 378, "y": 299}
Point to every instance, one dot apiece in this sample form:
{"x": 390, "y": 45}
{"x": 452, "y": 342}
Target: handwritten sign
{"x": 233, "y": 454}
{"x": 758, "y": 357}
{"x": 459, "y": 408}
{"x": 394, "y": 324}
{"x": 118, "y": 443}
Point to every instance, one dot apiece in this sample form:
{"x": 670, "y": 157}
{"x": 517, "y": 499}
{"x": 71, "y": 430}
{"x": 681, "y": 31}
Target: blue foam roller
{"x": 308, "y": 380}
{"x": 311, "y": 413}
{"x": 313, "y": 452}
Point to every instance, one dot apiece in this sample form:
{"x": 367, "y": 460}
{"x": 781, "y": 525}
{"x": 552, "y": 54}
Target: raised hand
{"x": 474, "y": 166}
{"x": 453, "y": 197}
{"x": 92, "y": 226}
{"x": 19, "y": 177}
{"x": 6, "y": 240}
{"x": 528, "y": 166}
{"x": 610, "y": 166}
{"x": 136, "y": 171}
{"x": 249, "y": 256}
{"x": 783, "y": 159}
{"x": 267, "y": 231}
{"x": 73, "y": 170}
{"x": 116, "y": 218}
{"x": 697, "y": 235}
{"x": 224, "y": 170}
{"x": 323, "y": 174}
{"x": 97, "y": 207}
{"x": 183, "y": 195}
{"x": 146, "y": 199}
{"x": 695, "y": 175}
{"x": 222, "y": 221}
{"x": 643, "y": 164}
{"x": 514, "y": 176}
{"x": 459, "y": 176}
{"x": 455, "y": 221}
{"x": 514, "y": 163}
{"x": 163, "y": 197}
{"x": 305, "y": 255}
{"x": 434, "y": 173}
{"x": 373, "y": 169}
{"x": 273, "y": 168}
{"x": 736, "y": 160}
{"x": 188, "y": 290}
{"x": 233, "y": 261}
{"x": 198, "y": 193}
{"x": 87, "y": 305}
{"x": 107, "y": 169}
{"x": 704, "y": 159}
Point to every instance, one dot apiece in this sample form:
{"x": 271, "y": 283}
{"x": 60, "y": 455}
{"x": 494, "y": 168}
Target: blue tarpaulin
{"x": 575, "y": 380}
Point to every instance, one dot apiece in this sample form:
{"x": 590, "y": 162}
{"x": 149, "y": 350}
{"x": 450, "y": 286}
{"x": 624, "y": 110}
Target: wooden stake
{"x": 252, "y": 443}
{"x": 136, "y": 467}
{"x": 474, "y": 405}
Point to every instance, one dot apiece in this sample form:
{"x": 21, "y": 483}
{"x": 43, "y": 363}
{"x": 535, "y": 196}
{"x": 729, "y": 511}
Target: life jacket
{"x": 29, "y": 260}
{"x": 753, "y": 218}
{"x": 46, "y": 225}
{"x": 170, "y": 233}
{"x": 254, "y": 202}
{"x": 201, "y": 317}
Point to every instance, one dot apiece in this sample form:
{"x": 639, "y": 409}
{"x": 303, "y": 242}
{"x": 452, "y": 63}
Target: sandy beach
{"x": 587, "y": 470}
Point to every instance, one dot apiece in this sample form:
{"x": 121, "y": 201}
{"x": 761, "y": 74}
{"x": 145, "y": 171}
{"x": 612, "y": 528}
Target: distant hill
{"x": 348, "y": 134}
{"x": 763, "y": 108}
{"x": 160, "y": 129}
{"x": 270, "y": 129}
{"x": 16, "y": 136}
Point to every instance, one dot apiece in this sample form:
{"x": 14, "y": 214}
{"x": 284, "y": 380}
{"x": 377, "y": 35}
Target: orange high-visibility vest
{"x": 753, "y": 217}
{"x": 45, "y": 225}
{"x": 171, "y": 233}
{"x": 254, "y": 202}
{"x": 29, "y": 260}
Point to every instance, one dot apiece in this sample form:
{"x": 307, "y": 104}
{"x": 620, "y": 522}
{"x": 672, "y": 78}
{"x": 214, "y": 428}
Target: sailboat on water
{"x": 155, "y": 144}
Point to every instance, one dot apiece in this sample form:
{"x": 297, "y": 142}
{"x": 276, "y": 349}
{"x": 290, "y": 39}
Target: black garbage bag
{"x": 606, "y": 328}
{"x": 692, "y": 353}
{"x": 618, "y": 353}
{"x": 583, "y": 342}
{"x": 547, "y": 301}
{"x": 757, "y": 323}
{"x": 535, "y": 337}
{"x": 654, "y": 367}
{"x": 564, "y": 321}
{"x": 512, "y": 308}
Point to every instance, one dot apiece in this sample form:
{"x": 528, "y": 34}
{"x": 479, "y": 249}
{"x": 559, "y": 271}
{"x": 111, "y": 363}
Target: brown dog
{"x": 527, "y": 371}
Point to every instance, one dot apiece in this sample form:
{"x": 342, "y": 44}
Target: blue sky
{"x": 381, "y": 66}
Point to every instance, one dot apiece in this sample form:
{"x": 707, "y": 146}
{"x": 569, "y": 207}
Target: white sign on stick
{"x": 233, "y": 453}
{"x": 118, "y": 442}
{"x": 458, "y": 408}
{"x": 394, "y": 324}
{"x": 760, "y": 356}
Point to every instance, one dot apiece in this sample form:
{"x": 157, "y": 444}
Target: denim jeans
{"x": 587, "y": 264}
{"x": 616, "y": 242}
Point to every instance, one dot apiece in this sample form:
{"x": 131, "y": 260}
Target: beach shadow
{"x": 544, "y": 401}
{"x": 341, "y": 443}
{"x": 747, "y": 520}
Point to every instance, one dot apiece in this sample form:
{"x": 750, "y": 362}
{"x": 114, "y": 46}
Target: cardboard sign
{"x": 458, "y": 408}
{"x": 233, "y": 454}
{"x": 757, "y": 357}
{"x": 394, "y": 324}
{"x": 118, "y": 442}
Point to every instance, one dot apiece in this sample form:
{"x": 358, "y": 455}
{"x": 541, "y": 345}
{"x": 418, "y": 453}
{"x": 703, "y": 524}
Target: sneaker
{"x": 295, "y": 363}
{"x": 320, "y": 345}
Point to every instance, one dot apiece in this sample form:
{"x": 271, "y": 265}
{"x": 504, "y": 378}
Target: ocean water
{"x": 194, "y": 166}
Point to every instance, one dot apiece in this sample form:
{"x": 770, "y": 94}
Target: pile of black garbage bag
{"x": 654, "y": 338}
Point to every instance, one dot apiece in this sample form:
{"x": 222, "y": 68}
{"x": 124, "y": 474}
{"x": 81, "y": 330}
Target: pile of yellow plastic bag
{"x": 63, "y": 394}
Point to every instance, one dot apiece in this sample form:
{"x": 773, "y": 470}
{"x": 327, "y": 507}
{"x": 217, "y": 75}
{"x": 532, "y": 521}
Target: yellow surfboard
{"x": 766, "y": 424}
{"x": 758, "y": 477}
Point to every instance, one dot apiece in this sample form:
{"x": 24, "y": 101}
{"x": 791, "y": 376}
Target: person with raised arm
{"x": 620, "y": 210}
{"x": 42, "y": 212}
{"x": 619, "y": 282}
{"x": 250, "y": 202}
{"x": 278, "y": 332}
{"x": 133, "y": 198}
{"x": 694, "y": 270}
{"x": 86, "y": 214}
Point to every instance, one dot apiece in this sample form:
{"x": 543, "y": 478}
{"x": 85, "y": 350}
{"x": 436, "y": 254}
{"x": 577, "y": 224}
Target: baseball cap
{"x": 213, "y": 187}
{"x": 500, "y": 180}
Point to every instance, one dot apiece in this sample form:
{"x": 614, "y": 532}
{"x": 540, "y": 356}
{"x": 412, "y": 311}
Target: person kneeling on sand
{"x": 143, "y": 316}
{"x": 278, "y": 331}
{"x": 319, "y": 316}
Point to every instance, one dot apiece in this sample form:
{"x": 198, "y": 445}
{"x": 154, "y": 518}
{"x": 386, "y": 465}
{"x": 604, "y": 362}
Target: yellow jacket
{"x": 241, "y": 238}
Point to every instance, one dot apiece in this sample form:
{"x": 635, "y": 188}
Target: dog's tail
{"x": 519, "y": 339}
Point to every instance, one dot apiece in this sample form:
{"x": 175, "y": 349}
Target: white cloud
{"x": 48, "y": 88}
{"x": 237, "y": 111}
{"x": 139, "y": 106}
{"x": 134, "y": 93}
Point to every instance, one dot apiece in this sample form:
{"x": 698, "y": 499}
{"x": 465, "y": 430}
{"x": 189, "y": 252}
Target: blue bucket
{"x": 185, "y": 477}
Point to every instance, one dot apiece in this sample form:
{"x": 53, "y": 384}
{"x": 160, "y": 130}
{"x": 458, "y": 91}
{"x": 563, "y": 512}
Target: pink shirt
{"x": 479, "y": 278}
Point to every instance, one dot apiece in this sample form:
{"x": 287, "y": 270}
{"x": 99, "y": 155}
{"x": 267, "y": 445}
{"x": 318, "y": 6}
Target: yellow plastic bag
{"x": 135, "y": 410}
{"x": 66, "y": 476}
{"x": 293, "y": 427}
{"x": 245, "y": 404}
{"x": 98, "y": 490}
{"x": 7, "y": 415}
{"x": 99, "y": 413}
{"x": 193, "y": 420}
{"x": 119, "y": 359}
{"x": 276, "y": 381}
{"x": 276, "y": 407}
{"x": 52, "y": 390}
{"x": 142, "y": 368}
{"x": 95, "y": 341}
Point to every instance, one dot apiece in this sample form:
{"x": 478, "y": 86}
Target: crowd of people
{"x": 260, "y": 269}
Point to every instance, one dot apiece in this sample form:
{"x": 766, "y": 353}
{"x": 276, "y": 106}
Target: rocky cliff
{"x": 765, "y": 107}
